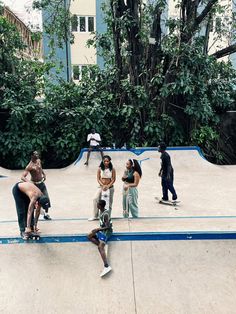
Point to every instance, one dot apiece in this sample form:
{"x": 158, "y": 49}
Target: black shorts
{"x": 98, "y": 147}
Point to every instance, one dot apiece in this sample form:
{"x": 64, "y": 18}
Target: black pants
{"x": 168, "y": 184}
{"x": 22, "y": 203}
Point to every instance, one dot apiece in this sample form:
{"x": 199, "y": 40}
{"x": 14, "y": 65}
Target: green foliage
{"x": 57, "y": 21}
{"x": 20, "y": 82}
{"x": 171, "y": 89}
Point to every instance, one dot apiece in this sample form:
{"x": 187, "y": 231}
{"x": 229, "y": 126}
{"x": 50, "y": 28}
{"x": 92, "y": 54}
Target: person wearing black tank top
{"x": 131, "y": 178}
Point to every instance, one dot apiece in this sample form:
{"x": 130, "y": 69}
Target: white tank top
{"x": 106, "y": 174}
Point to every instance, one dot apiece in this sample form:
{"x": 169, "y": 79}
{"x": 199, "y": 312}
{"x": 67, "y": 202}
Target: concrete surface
{"x": 148, "y": 276}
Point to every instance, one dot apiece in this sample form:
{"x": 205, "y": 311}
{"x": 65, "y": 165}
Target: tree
{"x": 185, "y": 88}
{"x": 163, "y": 75}
{"x": 161, "y": 81}
{"x": 20, "y": 82}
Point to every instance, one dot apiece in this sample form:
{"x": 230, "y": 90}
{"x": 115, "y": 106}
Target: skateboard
{"x": 106, "y": 197}
{"x": 30, "y": 236}
{"x": 170, "y": 203}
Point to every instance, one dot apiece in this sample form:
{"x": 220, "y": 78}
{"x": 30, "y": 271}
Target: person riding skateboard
{"x": 166, "y": 173}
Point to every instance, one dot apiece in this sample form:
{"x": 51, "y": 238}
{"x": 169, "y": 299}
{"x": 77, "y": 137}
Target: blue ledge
{"x": 129, "y": 236}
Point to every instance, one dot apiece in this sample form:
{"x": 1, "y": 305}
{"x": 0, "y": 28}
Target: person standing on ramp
{"x": 106, "y": 177}
{"x": 131, "y": 179}
{"x": 167, "y": 174}
{"x": 38, "y": 177}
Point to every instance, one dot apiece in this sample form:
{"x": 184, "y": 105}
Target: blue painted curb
{"x": 129, "y": 236}
{"x": 139, "y": 151}
{"x": 130, "y": 218}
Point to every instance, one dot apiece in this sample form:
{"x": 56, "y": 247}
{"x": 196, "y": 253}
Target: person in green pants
{"x": 131, "y": 178}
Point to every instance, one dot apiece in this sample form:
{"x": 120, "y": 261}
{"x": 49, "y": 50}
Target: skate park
{"x": 170, "y": 260}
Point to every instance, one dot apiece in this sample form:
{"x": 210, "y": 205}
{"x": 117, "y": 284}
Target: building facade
{"x": 88, "y": 19}
{"x": 83, "y": 28}
{"x": 33, "y": 47}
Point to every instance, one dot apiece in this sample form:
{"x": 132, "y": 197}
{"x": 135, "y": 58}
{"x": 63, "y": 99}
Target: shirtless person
{"x": 38, "y": 177}
{"x": 27, "y": 198}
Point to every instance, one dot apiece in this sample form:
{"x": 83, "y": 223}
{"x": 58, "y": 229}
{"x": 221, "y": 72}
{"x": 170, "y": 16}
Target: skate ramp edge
{"x": 139, "y": 151}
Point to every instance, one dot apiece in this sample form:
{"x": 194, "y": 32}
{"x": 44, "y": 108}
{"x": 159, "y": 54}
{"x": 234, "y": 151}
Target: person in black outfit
{"x": 166, "y": 173}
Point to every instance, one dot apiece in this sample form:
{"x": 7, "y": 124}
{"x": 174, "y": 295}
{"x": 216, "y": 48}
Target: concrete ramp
{"x": 205, "y": 190}
{"x": 4, "y": 172}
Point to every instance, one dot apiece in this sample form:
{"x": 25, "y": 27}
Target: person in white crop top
{"x": 106, "y": 177}
{"x": 106, "y": 173}
{"x": 94, "y": 140}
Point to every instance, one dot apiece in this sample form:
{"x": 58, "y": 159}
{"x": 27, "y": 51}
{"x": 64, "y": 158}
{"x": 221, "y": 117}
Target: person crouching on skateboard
{"x": 101, "y": 235}
{"x": 27, "y": 198}
{"x": 166, "y": 173}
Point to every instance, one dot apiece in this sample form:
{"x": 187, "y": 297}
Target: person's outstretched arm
{"x": 25, "y": 174}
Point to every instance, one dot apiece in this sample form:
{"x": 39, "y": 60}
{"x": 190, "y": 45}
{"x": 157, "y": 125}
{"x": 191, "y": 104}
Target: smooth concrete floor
{"x": 162, "y": 277}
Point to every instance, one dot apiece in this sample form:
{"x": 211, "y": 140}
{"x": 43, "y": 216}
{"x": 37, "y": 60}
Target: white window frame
{"x": 86, "y": 23}
{"x": 80, "y": 70}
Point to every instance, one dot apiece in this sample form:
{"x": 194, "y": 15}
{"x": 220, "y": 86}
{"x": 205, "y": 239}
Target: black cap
{"x": 44, "y": 202}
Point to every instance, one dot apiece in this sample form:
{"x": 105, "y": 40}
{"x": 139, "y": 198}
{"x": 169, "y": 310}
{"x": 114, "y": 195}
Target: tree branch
{"x": 204, "y": 13}
{"x": 224, "y": 52}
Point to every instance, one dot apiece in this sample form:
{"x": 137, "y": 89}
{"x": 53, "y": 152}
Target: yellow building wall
{"x": 80, "y": 54}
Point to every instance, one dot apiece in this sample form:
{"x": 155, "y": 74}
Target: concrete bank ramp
{"x": 204, "y": 189}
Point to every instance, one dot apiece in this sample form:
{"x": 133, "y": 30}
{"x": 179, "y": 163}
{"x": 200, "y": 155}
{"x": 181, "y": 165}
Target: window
{"x": 74, "y": 23}
{"x": 84, "y": 24}
{"x": 80, "y": 70}
{"x": 76, "y": 72}
{"x": 90, "y": 23}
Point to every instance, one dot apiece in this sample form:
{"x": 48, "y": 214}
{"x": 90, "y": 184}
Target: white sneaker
{"x": 105, "y": 271}
{"x": 93, "y": 218}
